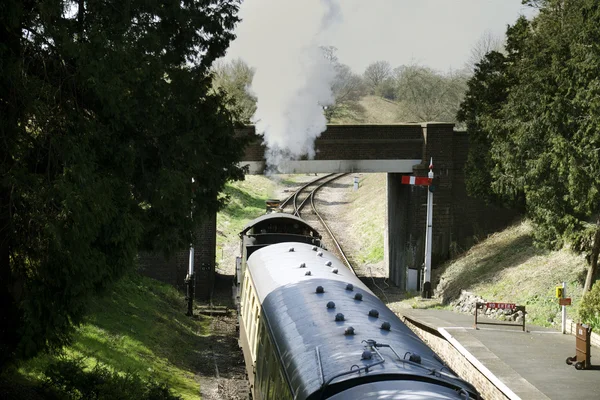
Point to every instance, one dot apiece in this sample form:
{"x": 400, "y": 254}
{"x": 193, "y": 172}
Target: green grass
{"x": 367, "y": 216}
{"x": 139, "y": 327}
{"x": 247, "y": 201}
{"x": 368, "y": 110}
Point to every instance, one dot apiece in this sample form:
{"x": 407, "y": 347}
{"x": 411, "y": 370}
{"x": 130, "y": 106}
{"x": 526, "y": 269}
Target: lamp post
{"x": 426, "y": 292}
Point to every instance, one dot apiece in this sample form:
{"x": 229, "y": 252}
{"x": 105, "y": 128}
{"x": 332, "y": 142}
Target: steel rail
{"x": 294, "y": 196}
{"x": 294, "y": 199}
{"x": 331, "y": 235}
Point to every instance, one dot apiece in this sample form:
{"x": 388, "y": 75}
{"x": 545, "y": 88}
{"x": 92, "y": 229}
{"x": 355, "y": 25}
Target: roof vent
{"x": 307, "y": 273}
{"x": 331, "y": 304}
{"x": 291, "y": 250}
{"x": 366, "y": 355}
{"x": 349, "y": 287}
{"x": 320, "y": 254}
{"x": 339, "y": 317}
{"x": 335, "y": 270}
{"x": 302, "y": 265}
{"x": 349, "y": 331}
{"x": 328, "y": 263}
{"x": 374, "y": 313}
{"x": 319, "y": 288}
{"x": 386, "y": 326}
{"x": 314, "y": 248}
{"x": 358, "y": 296}
{"x": 415, "y": 358}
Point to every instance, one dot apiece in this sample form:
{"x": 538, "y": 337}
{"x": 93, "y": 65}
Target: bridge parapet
{"x": 349, "y": 148}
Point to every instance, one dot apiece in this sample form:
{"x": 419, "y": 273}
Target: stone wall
{"x": 354, "y": 142}
{"x": 459, "y": 220}
{"x": 173, "y": 270}
{"x": 473, "y": 219}
{"x": 457, "y": 362}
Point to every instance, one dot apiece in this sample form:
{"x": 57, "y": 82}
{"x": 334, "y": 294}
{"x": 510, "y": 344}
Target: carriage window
{"x": 273, "y": 374}
{"x": 247, "y": 308}
{"x": 255, "y": 321}
{"x": 246, "y": 299}
{"x": 267, "y": 366}
{"x": 252, "y": 330}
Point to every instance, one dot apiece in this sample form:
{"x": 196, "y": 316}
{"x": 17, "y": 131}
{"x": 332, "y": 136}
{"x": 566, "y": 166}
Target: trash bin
{"x": 582, "y": 347}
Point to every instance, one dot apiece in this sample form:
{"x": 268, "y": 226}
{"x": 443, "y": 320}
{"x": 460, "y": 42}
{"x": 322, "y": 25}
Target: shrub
{"x": 72, "y": 381}
{"x": 589, "y": 309}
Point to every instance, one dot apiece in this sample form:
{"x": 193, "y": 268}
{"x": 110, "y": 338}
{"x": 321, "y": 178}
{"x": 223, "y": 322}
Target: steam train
{"x": 310, "y": 329}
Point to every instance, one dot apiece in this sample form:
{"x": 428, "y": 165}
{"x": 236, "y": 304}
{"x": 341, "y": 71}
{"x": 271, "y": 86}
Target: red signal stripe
{"x": 416, "y": 180}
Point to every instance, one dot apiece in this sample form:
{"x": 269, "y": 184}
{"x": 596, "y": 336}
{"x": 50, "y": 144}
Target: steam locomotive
{"x": 310, "y": 329}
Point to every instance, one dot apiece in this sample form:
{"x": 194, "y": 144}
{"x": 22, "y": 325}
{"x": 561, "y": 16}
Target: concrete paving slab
{"x": 530, "y": 364}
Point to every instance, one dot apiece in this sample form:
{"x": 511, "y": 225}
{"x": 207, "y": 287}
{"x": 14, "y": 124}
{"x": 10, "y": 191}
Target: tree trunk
{"x": 589, "y": 280}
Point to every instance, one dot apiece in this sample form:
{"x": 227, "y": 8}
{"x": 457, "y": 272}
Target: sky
{"x": 292, "y": 82}
{"x": 436, "y": 33}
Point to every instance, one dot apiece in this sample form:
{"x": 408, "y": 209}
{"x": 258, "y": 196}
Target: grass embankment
{"x": 247, "y": 201}
{"x": 506, "y": 267}
{"x": 366, "y": 215}
{"x": 138, "y": 326}
{"x": 369, "y": 110}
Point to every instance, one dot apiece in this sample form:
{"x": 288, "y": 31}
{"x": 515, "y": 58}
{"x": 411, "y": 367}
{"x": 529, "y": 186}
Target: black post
{"x": 426, "y": 292}
{"x": 189, "y": 281}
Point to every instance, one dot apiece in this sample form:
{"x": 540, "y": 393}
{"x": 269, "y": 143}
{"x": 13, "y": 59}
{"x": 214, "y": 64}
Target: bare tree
{"x": 487, "y": 42}
{"x": 329, "y": 53}
{"x": 376, "y": 74}
{"x": 426, "y": 95}
{"x": 347, "y": 87}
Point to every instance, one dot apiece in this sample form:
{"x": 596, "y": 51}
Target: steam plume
{"x": 292, "y": 82}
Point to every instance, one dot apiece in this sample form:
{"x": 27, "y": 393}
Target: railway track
{"x": 306, "y": 195}
{"x": 299, "y": 197}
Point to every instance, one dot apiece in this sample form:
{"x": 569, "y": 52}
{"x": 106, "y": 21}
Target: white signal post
{"x": 564, "y": 309}
{"x": 189, "y": 279}
{"x": 191, "y": 264}
{"x": 426, "y": 293}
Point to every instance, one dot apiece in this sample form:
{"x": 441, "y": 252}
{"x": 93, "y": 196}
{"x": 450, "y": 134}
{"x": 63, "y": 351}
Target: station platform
{"x": 522, "y": 365}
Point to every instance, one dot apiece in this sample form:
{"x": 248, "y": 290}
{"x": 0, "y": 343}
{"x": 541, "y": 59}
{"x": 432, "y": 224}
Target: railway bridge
{"x": 399, "y": 149}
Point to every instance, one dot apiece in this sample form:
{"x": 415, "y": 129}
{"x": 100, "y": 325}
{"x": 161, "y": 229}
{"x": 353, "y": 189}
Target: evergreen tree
{"x": 544, "y": 137}
{"x": 106, "y": 113}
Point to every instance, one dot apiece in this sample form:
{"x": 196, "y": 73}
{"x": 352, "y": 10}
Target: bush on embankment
{"x": 135, "y": 343}
{"x": 589, "y": 310}
{"x": 70, "y": 379}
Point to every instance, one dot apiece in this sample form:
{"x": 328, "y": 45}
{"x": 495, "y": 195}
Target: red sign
{"x": 416, "y": 180}
{"x": 502, "y": 306}
{"x": 566, "y": 301}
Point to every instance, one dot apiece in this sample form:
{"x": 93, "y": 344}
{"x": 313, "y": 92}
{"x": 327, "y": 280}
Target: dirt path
{"x": 221, "y": 371}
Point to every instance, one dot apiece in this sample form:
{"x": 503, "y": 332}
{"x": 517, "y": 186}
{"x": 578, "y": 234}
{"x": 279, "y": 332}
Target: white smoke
{"x": 292, "y": 82}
